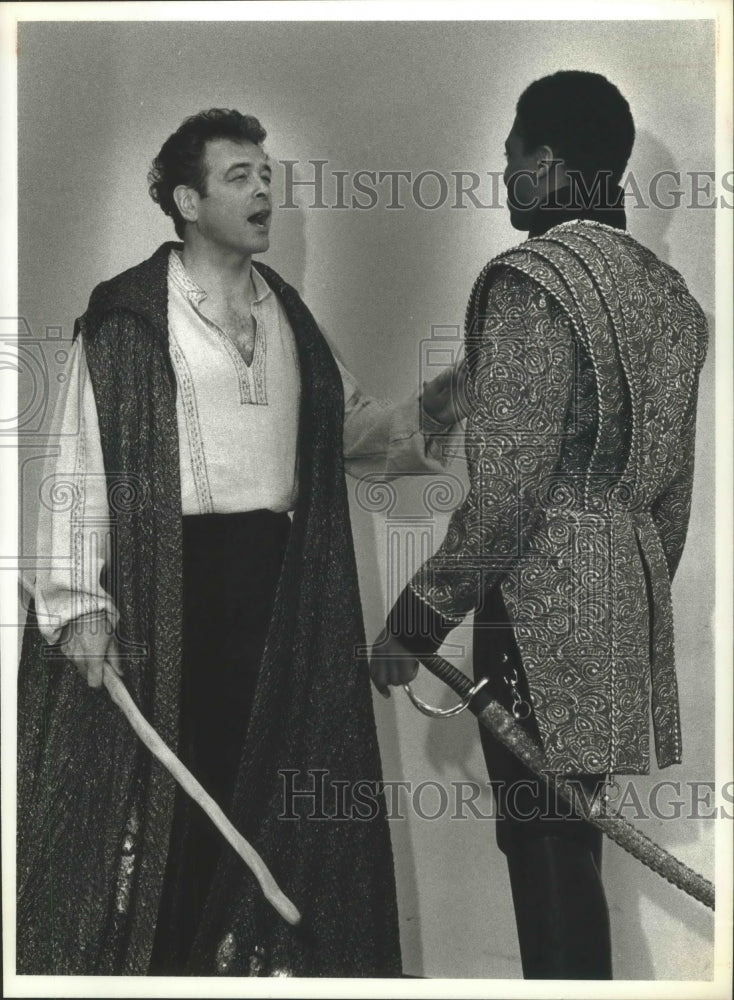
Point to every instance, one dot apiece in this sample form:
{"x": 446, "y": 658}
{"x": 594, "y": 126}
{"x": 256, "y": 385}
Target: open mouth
{"x": 260, "y": 218}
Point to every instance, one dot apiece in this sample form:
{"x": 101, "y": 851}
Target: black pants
{"x": 553, "y": 858}
{"x": 231, "y": 568}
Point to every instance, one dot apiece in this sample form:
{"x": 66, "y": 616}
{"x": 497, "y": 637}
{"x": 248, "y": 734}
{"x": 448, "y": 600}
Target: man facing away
{"x": 584, "y": 352}
{"x": 208, "y": 407}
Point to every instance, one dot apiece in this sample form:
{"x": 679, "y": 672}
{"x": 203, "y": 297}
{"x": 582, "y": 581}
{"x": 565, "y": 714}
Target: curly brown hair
{"x": 181, "y": 159}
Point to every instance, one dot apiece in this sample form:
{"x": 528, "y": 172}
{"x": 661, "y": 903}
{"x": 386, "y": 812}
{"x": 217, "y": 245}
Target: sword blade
{"x": 500, "y": 723}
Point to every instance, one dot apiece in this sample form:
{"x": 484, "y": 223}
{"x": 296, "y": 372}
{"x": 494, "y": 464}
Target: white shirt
{"x": 238, "y": 432}
{"x": 237, "y": 423}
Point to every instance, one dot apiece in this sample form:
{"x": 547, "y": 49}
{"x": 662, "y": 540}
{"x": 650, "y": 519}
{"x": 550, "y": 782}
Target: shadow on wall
{"x": 289, "y": 248}
{"x": 693, "y": 603}
{"x": 366, "y": 528}
{"x": 637, "y": 896}
{"x": 650, "y": 225}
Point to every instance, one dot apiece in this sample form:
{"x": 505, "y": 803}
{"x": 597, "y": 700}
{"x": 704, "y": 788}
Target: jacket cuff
{"x": 416, "y": 625}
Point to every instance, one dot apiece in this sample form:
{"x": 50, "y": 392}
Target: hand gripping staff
{"x": 121, "y": 697}
{"x": 503, "y": 727}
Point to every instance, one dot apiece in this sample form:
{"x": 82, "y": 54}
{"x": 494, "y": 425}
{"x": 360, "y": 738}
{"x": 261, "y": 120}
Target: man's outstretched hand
{"x": 444, "y": 398}
{"x": 391, "y": 664}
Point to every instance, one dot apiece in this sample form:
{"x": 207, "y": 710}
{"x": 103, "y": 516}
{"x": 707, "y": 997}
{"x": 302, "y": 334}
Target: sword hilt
{"x": 458, "y": 682}
{"x": 449, "y": 674}
{"x": 476, "y": 696}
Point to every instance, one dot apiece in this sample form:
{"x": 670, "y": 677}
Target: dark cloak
{"x": 95, "y": 811}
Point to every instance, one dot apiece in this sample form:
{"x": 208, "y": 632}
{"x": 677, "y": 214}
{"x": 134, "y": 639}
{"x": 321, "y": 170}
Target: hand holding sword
{"x": 392, "y": 664}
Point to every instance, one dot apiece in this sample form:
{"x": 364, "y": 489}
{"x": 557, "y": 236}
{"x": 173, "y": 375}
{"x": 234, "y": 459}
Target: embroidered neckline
{"x": 251, "y": 378}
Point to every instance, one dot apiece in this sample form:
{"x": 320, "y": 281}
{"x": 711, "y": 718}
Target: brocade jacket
{"x": 584, "y": 352}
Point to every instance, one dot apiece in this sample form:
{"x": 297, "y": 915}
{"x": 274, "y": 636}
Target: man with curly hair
{"x": 212, "y": 566}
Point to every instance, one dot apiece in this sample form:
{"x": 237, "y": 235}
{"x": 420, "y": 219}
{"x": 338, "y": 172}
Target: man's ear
{"x": 187, "y": 202}
{"x": 551, "y": 169}
{"x": 546, "y": 161}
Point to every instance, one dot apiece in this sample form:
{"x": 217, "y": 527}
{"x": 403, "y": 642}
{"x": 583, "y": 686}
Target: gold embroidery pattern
{"x": 193, "y": 427}
{"x": 581, "y": 470}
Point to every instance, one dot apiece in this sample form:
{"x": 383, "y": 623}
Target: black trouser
{"x": 231, "y": 566}
{"x": 554, "y": 859}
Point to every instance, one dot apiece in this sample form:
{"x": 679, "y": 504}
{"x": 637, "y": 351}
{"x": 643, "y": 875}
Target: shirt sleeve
{"x": 521, "y": 373}
{"x": 73, "y": 536}
{"x": 391, "y": 438}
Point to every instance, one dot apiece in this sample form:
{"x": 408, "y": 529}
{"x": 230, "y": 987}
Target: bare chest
{"x": 238, "y": 324}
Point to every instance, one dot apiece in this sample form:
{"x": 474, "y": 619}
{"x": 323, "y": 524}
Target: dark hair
{"x": 181, "y": 159}
{"x": 583, "y": 118}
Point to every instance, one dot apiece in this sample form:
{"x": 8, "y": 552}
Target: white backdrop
{"x": 95, "y": 103}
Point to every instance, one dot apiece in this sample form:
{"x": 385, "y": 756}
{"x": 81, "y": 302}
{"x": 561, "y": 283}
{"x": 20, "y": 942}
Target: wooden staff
{"x": 121, "y": 697}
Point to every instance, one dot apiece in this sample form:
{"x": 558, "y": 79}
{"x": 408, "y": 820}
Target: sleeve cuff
{"x": 416, "y": 625}
{"x": 429, "y": 425}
